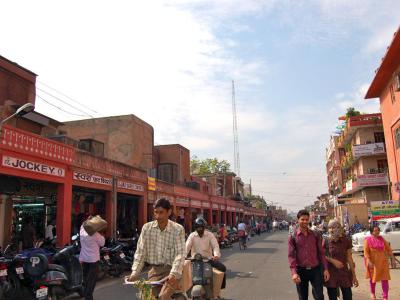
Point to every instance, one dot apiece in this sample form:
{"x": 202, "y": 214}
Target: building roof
{"x": 16, "y": 68}
{"x": 389, "y": 64}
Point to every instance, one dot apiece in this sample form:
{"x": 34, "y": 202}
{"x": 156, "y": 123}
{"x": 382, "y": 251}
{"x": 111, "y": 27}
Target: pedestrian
{"x": 50, "y": 230}
{"x": 307, "y": 260}
{"x": 89, "y": 258}
{"x": 341, "y": 265}
{"x": 376, "y": 252}
{"x": 162, "y": 246}
{"x": 28, "y": 233}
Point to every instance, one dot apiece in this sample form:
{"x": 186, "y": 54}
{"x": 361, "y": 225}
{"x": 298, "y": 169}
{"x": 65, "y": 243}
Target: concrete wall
{"x": 366, "y": 163}
{"x": 126, "y": 139}
{"x": 16, "y": 83}
{"x": 391, "y": 121}
{"x": 366, "y": 135}
{"x": 175, "y": 154}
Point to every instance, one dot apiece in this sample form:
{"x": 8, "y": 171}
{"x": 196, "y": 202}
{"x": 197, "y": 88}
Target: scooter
{"x": 202, "y": 278}
{"x": 59, "y": 279}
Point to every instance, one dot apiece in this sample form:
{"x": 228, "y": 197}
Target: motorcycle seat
{"x": 53, "y": 267}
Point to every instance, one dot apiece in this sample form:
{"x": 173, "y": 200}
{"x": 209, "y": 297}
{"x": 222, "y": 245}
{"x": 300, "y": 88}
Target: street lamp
{"x": 23, "y": 110}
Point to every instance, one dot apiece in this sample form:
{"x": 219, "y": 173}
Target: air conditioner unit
{"x": 397, "y": 82}
{"x": 372, "y": 171}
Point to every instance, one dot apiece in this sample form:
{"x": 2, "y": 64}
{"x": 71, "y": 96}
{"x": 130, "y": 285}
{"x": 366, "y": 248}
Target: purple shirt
{"x": 305, "y": 253}
{"x": 90, "y": 246}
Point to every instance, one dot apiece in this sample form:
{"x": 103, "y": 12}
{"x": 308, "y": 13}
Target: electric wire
{"x": 63, "y": 94}
{"x": 66, "y": 103}
{"x": 59, "y": 108}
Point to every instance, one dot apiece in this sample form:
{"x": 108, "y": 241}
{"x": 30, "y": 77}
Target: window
{"x": 392, "y": 94}
{"x": 397, "y": 137}
{"x": 382, "y": 165}
{"x": 379, "y": 137}
{"x": 396, "y": 226}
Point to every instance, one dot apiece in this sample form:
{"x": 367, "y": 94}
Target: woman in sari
{"x": 376, "y": 252}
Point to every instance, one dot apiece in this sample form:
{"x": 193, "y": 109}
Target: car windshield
{"x": 382, "y": 225}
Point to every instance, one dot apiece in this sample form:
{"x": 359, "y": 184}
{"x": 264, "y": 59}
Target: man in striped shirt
{"x": 162, "y": 245}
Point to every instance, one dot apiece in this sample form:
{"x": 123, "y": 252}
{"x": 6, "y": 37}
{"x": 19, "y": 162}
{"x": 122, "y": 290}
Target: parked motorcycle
{"x": 58, "y": 279}
{"x": 9, "y": 284}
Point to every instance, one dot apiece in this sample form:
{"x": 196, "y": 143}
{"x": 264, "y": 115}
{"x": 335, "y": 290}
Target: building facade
{"x": 386, "y": 87}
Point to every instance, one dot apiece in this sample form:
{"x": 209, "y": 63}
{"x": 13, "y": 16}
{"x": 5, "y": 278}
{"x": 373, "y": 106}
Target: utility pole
{"x": 235, "y": 134}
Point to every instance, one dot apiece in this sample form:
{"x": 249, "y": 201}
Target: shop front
{"x": 35, "y": 184}
{"x": 183, "y": 212}
{"x": 129, "y": 197}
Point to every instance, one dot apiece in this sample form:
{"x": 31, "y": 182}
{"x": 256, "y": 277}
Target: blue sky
{"x": 297, "y": 65}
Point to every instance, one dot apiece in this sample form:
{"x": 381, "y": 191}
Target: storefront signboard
{"x": 182, "y": 202}
{"x": 87, "y": 177}
{"x": 195, "y": 203}
{"x": 372, "y": 179}
{"x": 215, "y": 206}
{"x": 385, "y": 209}
{"x": 368, "y": 149}
{"x": 349, "y": 185}
{"x": 26, "y": 165}
{"x": 206, "y": 204}
{"x": 130, "y": 186}
{"x": 151, "y": 184}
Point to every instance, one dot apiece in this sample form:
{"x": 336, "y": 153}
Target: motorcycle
{"x": 58, "y": 279}
{"x": 202, "y": 278}
{"x": 8, "y": 286}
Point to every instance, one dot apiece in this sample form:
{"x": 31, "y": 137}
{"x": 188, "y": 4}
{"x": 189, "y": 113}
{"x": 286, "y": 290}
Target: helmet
{"x": 200, "y": 222}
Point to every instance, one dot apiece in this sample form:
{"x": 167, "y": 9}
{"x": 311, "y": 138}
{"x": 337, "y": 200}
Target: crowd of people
{"x": 327, "y": 260}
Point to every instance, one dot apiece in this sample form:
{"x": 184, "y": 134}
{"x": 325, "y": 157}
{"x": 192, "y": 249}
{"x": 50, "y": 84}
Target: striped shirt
{"x": 158, "y": 247}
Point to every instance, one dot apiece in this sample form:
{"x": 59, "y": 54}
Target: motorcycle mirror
{"x": 74, "y": 237}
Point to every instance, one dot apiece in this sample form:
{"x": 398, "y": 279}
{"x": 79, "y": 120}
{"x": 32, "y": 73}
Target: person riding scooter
{"x": 203, "y": 242}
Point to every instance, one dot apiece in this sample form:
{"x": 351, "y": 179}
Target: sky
{"x": 297, "y": 65}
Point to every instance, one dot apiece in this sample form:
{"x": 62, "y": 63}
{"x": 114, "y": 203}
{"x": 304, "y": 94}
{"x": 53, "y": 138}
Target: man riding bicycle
{"x": 162, "y": 245}
{"x": 242, "y": 232}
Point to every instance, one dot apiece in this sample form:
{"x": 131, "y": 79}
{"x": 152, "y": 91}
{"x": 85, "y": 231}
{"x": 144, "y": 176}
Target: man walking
{"x": 162, "y": 245}
{"x": 307, "y": 259}
{"x": 89, "y": 258}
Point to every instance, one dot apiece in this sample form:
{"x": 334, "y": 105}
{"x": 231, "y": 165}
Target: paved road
{"x": 259, "y": 273}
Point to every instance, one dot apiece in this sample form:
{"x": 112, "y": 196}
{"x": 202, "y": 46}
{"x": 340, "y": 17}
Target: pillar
{"x": 210, "y": 217}
{"x": 143, "y": 211}
{"x": 64, "y": 212}
{"x": 219, "y": 217}
{"x": 110, "y": 213}
{"x": 224, "y": 217}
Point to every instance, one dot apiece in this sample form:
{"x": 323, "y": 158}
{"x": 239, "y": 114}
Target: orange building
{"x": 386, "y": 86}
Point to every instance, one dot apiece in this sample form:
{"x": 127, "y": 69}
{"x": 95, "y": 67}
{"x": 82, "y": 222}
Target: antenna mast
{"x": 235, "y": 134}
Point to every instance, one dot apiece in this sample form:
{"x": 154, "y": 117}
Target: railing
{"x": 22, "y": 141}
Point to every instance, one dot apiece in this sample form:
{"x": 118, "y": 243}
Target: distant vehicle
{"x": 390, "y": 230}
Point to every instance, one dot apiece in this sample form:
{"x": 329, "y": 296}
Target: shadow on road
{"x": 233, "y": 274}
{"x": 259, "y": 250}
{"x": 270, "y": 241}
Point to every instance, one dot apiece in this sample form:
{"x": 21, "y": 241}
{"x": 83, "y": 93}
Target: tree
{"x": 258, "y": 202}
{"x": 352, "y": 112}
{"x": 208, "y": 166}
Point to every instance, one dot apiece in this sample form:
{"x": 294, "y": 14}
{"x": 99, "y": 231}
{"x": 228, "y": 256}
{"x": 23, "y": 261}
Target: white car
{"x": 390, "y": 230}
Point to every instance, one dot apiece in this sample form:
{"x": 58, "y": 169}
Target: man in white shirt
{"x": 204, "y": 242}
{"x": 49, "y": 234}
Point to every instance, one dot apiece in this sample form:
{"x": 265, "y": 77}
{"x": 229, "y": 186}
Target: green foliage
{"x": 144, "y": 289}
{"x": 208, "y": 166}
{"x": 258, "y": 201}
{"x": 352, "y": 112}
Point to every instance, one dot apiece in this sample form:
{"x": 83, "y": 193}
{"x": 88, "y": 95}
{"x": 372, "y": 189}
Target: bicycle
{"x": 242, "y": 240}
{"x": 145, "y": 289}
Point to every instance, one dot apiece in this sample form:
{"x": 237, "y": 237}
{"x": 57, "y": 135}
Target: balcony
{"x": 366, "y": 180}
{"x": 353, "y": 123}
{"x": 368, "y": 150}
